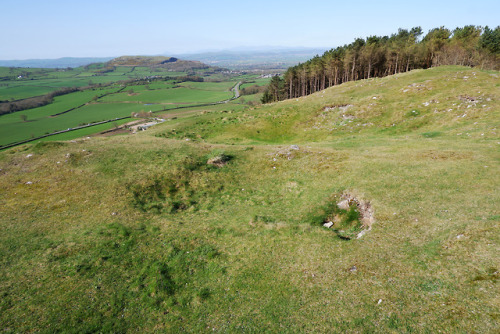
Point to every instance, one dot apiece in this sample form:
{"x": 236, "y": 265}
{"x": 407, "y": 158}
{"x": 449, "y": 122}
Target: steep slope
{"x": 139, "y": 232}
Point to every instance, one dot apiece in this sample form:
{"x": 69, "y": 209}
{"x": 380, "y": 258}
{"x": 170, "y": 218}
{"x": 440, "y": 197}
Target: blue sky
{"x": 74, "y": 28}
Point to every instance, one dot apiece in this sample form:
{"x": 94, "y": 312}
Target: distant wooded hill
{"x": 378, "y": 56}
{"x": 170, "y": 63}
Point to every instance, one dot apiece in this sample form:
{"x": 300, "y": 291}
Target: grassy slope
{"x": 246, "y": 251}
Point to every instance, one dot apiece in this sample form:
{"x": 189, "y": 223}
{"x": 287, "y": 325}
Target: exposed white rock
{"x": 343, "y": 205}
{"x": 361, "y": 234}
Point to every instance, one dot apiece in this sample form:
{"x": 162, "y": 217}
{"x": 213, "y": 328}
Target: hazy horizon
{"x": 237, "y": 49}
{"x": 113, "y": 28}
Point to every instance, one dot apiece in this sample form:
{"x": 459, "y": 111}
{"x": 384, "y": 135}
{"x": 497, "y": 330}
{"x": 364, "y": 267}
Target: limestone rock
{"x": 329, "y": 224}
{"x": 361, "y": 234}
{"x": 343, "y": 205}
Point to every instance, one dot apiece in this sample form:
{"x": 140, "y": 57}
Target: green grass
{"x": 41, "y": 81}
{"x": 210, "y": 86}
{"x": 23, "y": 91}
{"x": 39, "y": 120}
{"x": 174, "y": 95}
{"x": 139, "y": 233}
{"x": 85, "y": 131}
{"x": 156, "y": 96}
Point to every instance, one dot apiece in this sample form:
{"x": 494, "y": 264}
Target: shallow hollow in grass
{"x": 346, "y": 215}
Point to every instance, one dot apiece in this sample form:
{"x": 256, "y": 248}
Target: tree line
{"x": 378, "y": 56}
{"x": 7, "y": 107}
{"x": 34, "y": 102}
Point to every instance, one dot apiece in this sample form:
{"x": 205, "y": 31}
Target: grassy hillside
{"x": 157, "y": 61}
{"x": 140, "y": 232}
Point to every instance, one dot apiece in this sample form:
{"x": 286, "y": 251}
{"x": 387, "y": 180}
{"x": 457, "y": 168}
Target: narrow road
{"x": 236, "y": 90}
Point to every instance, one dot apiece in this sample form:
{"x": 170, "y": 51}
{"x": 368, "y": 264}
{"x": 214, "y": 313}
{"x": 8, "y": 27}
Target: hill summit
{"x": 171, "y": 63}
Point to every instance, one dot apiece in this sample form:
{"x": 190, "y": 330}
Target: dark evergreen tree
{"x": 378, "y": 56}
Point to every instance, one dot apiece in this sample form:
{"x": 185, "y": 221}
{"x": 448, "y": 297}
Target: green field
{"x": 210, "y": 86}
{"x": 98, "y": 103}
{"x": 41, "y": 81}
{"x": 142, "y": 233}
{"x": 173, "y": 95}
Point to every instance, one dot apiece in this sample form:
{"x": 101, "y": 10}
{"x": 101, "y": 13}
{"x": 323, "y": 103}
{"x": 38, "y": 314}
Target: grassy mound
{"x": 139, "y": 232}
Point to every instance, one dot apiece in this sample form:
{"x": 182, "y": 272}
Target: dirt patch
{"x": 444, "y": 155}
{"x": 219, "y": 161}
{"x": 366, "y": 213}
{"x": 347, "y": 216}
{"x": 338, "y": 107}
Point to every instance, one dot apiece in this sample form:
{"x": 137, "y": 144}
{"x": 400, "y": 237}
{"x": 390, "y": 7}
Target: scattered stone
{"x": 329, "y": 224}
{"x": 341, "y": 107}
{"x": 361, "y": 234}
{"x": 29, "y": 182}
{"x": 353, "y": 269}
{"x": 289, "y": 153}
{"x": 29, "y": 155}
{"x": 114, "y": 213}
{"x": 467, "y": 98}
{"x": 460, "y": 236}
{"x": 345, "y": 107}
